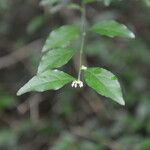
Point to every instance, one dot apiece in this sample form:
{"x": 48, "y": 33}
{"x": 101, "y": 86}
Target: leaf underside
{"x": 104, "y": 83}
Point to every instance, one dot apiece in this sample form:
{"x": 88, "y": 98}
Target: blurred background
{"x": 74, "y": 119}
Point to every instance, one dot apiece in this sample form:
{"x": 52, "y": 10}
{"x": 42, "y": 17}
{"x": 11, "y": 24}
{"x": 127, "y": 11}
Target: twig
{"x": 34, "y": 108}
{"x": 31, "y": 103}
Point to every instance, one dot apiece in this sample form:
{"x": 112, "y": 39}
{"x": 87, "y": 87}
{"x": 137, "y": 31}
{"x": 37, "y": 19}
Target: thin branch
{"x": 34, "y": 108}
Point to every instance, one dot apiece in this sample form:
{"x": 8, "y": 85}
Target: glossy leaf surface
{"x": 61, "y": 37}
{"x": 112, "y": 28}
{"x": 104, "y": 83}
{"x": 55, "y": 58}
{"x": 48, "y": 80}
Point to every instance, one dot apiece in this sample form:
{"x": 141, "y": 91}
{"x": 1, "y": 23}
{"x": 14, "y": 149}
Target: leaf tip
{"x": 39, "y": 70}
{"x": 122, "y": 102}
{"x": 132, "y": 35}
{"x": 19, "y": 93}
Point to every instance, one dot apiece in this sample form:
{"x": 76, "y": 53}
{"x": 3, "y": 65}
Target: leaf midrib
{"x": 59, "y": 56}
{"x": 55, "y": 80}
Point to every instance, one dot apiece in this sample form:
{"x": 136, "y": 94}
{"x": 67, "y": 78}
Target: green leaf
{"x": 49, "y": 2}
{"x": 6, "y": 101}
{"x": 61, "y": 37}
{"x": 147, "y": 2}
{"x": 107, "y": 2}
{"x": 35, "y": 24}
{"x": 145, "y": 144}
{"x": 111, "y": 28}
{"x": 74, "y": 6}
{"x": 88, "y": 1}
{"x": 104, "y": 83}
{"x": 48, "y": 80}
{"x": 55, "y": 58}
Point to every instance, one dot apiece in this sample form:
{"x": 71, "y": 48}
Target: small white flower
{"x": 81, "y": 84}
{"x": 83, "y": 67}
{"x": 77, "y": 83}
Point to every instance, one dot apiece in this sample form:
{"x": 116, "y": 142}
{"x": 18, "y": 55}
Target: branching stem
{"x": 83, "y": 34}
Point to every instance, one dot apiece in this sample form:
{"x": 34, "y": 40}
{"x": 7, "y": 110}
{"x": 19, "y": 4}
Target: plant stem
{"x": 83, "y": 34}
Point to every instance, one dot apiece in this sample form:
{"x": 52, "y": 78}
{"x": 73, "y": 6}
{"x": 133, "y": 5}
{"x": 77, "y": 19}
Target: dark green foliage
{"x": 58, "y": 56}
{"x": 68, "y": 118}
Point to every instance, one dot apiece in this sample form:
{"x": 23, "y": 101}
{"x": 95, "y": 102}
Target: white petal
{"x": 83, "y": 67}
{"x": 81, "y": 84}
{"x": 73, "y": 83}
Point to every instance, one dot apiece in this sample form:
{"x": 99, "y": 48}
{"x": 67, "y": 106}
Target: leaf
{"x": 107, "y": 2}
{"x": 49, "y": 2}
{"x": 55, "y": 58}
{"x": 35, "y": 24}
{"x": 65, "y": 142}
{"x": 147, "y": 2}
{"x": 74, "y": 6}
{"x": 6, "y": 101}
{"x": 88, "y": 1}
{"x": 111, "y": 28}
{"x": 61, "y": 37}
{"x": 48, "y": 80}
{"x": 145, "y": 144}
{"x": 104, "y": 83}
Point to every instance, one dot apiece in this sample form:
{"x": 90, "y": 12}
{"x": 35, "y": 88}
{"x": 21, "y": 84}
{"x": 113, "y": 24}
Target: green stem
{"x": 83, "y": 34}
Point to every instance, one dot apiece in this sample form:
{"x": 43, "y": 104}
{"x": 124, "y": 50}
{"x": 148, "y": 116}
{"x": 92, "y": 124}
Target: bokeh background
{"x": 74, "y": 119}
